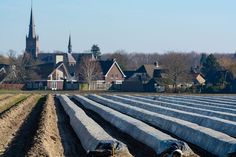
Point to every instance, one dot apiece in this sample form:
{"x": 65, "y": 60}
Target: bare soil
{"x": 11, "y": 121}
{"x": 70, "y": 142}
{"x": 4, "y": 96}
{"x": 8, "y": 102}
{"x": 23, "y": 138}
{"x": 47, "y": 141}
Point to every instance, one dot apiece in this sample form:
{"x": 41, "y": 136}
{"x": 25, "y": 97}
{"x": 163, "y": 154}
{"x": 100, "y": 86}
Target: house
{"x": 145, "y": 78}
{"x": 159, "y": 81}
{"x": 145, "y": 72}
{"x": 111, "y": 76}
{"x": 49, "y": 76}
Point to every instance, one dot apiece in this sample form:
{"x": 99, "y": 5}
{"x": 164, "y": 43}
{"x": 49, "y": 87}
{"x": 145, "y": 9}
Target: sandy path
{"x": 47, "y": 141}
{"x": 11, "y": 121}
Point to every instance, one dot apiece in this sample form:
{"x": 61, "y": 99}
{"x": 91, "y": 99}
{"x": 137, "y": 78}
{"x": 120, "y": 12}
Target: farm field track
{"x": 142, "y": 125}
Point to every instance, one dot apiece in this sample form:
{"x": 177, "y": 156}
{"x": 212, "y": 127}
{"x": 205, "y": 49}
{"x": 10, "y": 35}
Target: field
{"x": 120, "y": 125}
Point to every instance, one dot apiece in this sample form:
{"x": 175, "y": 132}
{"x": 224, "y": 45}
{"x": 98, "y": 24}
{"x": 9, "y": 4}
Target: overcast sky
{"x": 132, "y": 25}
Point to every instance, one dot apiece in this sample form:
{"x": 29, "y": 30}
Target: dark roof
{"x": 159, "y": 73}
{"x": 4, "y": 65}
{"x": 71, "y": 69}
{"x": 78, "y": 56}
{"x": 105, "y": 65}
{"x": 128, "y": 74}
{"x": 3, "y": 73}
{"x": 70, "y": 57}
{"x": 42, "y": 70}
{"x": 146, "y": 68}
{"x": 149, "y": 69}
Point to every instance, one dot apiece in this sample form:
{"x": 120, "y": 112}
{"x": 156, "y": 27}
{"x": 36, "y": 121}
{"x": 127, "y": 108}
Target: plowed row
{"x": 37, "y": 126}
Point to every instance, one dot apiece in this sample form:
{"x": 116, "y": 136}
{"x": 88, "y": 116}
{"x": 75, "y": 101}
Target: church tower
{"x": 69, "y": 45}
{"x": 32, "y": 40}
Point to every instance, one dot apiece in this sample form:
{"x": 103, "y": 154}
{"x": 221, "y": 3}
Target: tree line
{"x": 219, "y": 70}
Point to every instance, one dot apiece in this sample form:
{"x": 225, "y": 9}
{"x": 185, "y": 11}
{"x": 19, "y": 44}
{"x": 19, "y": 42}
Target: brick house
{"x": 111, "y": 76}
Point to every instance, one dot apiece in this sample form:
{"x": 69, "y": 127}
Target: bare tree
{"x": 228, "y": 63}
{"x": 12, "y": 57}
{"x": 121, "y": 57}
{"x": 89, "y": 70}
{"x": 177, "y": 67}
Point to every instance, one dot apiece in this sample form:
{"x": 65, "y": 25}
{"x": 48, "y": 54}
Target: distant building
{"x": 32, "y": 40}
{"x": 148, "y": 77}
{"x": 60, "y": 70}
{"x": 111, "y": 77}
{"x": 50, "y": 76}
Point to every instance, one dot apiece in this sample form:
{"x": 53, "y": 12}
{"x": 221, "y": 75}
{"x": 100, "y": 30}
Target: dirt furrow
{"x": 5, "y": 96}
{"x": 70, "y": 142}
{"x": 11, "y": 120}
{"x": 22, "y": 136}
{"x": 47, "y": 141}
{"x": 11, "y": 101}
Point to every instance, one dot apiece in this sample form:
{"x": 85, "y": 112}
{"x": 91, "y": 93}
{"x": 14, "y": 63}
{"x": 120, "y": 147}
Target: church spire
{"x": 32, "y": 41}
{"x": 32, "y": 33}
{"x": 69, "y": 45}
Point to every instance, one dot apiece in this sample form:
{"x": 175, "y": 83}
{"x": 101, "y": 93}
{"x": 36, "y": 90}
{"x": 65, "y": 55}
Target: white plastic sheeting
{"x": 155, "y": 139}
{"x": 187, "y": 102}
{"x": 207, "y": 112}
{"x": 213, "y": 99}
{"x": 91, "y": 135}
{"x": 199, "y": 100}
{"x": 213, "y": 141}
{"x": 206, "y": 121}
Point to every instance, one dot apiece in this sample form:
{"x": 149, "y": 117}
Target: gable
{"x": 60, "y": 72}
{"x": 147, "y": 69}
{"x": 115, "y": 65}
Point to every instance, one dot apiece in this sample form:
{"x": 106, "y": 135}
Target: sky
{"x": 131, "y": 25}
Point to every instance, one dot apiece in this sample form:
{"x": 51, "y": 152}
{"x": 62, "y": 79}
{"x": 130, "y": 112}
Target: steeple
{"x": 32, "y": 40}
{"x": 32, "y": 33}
{"x": 69, "y": 45}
